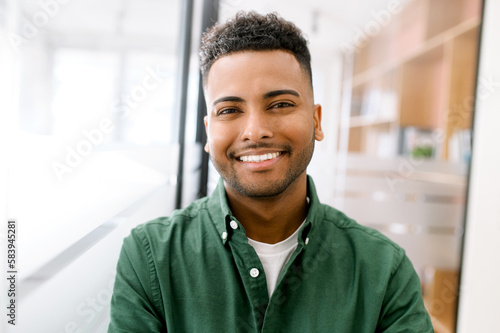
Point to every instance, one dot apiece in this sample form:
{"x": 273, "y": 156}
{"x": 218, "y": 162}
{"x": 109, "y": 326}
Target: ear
{"x": 205, "y": 119}
{"x": 318, "y": 132}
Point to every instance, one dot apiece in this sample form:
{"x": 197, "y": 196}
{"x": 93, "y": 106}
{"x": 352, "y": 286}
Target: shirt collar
{"x": 221, "y": 213}
{"x": 219, "y": 210}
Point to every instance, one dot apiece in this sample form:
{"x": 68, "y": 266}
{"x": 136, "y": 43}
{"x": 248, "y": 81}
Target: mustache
{"x": 280, "y": 147}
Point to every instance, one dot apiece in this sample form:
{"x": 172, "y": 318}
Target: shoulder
{"x": 157, "y": 232}
{"x": 178, "y": 216}
{"x": 366, "y": 243}
{"x": 344, "y": 235}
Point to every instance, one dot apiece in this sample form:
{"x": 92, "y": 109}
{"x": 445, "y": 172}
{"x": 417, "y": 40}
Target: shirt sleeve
{"x": 403, "y": 308}
{"x": 136, "y": 304}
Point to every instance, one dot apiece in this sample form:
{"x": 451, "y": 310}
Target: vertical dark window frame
{"x": 182, "y": 89}
{"x": 209, "y": 17}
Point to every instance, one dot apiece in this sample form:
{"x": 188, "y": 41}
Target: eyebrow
{"x": 269, "y": 94}
{"x": 275, "y": 93}
{"x": 228, "y": 99}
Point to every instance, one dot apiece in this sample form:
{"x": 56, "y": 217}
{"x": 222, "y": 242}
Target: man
{"x": 262, "y": 254}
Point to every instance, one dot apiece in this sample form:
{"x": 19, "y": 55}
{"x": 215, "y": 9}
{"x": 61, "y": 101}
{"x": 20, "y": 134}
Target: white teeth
{"x": 259, "y": 158}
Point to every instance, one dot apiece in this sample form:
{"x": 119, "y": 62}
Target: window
{"x": 91, "y": 130}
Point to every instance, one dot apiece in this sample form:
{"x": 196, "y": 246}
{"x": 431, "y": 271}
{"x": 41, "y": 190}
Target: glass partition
{"x": 90, "y": 120}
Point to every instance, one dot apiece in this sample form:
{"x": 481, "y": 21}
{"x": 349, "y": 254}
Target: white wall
{"x": 479, "y": 305}
{"x": 327, "y": 81}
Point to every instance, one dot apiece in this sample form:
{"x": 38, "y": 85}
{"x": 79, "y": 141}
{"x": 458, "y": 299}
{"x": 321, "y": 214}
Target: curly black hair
{"x": 250, "y": 31}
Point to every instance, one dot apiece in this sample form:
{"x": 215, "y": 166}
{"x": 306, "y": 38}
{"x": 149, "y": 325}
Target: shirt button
{"x": 254, "y": 272}
{"x": 224, "y": 235}
{"x": 307, "y": 240}
{"x": 233, "y": 224}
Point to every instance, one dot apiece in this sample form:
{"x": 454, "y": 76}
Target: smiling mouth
{"x": 259, "y": 158}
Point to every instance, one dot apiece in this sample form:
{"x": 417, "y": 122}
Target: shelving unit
{"x": 418, "y": 72}
{"x": 412, "y": 87}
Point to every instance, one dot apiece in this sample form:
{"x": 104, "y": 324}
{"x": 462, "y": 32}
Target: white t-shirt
{"x": 274, "y": 257}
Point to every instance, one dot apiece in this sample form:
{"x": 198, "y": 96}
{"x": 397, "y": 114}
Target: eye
{"x": 281, "y": 105}
{"x": 227, "y": 111}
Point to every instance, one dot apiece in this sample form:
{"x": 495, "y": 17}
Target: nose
{"x": 257, "y": 126}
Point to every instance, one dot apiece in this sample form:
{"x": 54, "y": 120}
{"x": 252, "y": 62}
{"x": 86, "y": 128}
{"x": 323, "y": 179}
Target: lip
{"x": 257, "y": 152}
{"x": 260, "y": 166}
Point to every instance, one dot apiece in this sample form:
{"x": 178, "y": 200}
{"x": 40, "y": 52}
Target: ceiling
{"x": 325, "y": 22}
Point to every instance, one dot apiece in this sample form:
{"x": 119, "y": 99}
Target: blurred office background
{"x": 101, "y": 129}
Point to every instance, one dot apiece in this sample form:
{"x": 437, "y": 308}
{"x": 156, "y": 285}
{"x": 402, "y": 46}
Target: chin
{"x": 266, "y": 189}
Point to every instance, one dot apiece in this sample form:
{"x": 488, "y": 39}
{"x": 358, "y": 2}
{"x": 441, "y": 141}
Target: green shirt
{"x": 192, "y": 272}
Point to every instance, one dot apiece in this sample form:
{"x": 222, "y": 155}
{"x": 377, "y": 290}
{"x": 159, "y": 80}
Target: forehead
{"x": 247, "y": 71}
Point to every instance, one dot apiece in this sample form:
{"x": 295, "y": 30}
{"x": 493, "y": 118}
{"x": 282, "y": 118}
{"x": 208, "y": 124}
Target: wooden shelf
{"x": 439, "y": 326}
{"x": 436, "y": 41}
{"x": 418, "y": 72}
{"x": 357, "y": 121}
{"x": 423, "y": 90}
{"x": 440, "y": 297}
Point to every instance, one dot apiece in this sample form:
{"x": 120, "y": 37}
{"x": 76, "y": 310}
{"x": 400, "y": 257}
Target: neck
{"x": 271, "y": 219}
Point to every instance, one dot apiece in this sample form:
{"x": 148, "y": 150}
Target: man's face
{"x": 261, "y": 122}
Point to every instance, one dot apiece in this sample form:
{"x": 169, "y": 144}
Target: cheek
{"x": 300, "y": 130}
{"x": 219, "y": 139}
